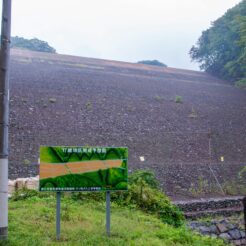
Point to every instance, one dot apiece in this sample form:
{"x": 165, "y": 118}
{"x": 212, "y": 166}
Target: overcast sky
{"x": 125, "y": 30}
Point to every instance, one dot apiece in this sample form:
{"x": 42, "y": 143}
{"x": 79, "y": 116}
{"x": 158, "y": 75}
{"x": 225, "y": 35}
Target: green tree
{"x": 221, "y": 49}
{"x": 31, "y": 44}
{"x": 153, "y": 63}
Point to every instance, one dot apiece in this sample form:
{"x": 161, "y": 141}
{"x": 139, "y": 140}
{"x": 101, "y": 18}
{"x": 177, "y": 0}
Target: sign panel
{"x": 64, "y": 168}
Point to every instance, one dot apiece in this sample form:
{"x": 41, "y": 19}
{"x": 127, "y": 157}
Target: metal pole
{"x": 108, "y": 213}
{"x": 4, "y": 116}
{"x": 58, "y": 214}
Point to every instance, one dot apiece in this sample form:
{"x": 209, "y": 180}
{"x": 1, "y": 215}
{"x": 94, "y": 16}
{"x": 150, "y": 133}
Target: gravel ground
{"x": 66, "y": 100}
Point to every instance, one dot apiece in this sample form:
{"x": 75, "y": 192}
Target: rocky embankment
{"x": 225, "y": 206}
{"x": 223, "y": 229}
{"x": 231, "y": 232}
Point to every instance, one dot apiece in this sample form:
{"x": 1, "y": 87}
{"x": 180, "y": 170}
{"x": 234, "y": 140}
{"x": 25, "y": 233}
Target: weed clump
{"x": 178, "y": 99}
{"x": 24, "y": 193}
{"x": 157, "y": 98}
{"x": 88, "y": 105}
{"x": 26, "y": 162}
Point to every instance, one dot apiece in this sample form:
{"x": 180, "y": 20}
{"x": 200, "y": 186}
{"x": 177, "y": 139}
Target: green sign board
{"x": 83, "y": 168}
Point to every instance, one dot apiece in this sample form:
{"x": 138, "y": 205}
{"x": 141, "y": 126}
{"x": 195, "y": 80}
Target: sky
{"x": 124, "y": 30}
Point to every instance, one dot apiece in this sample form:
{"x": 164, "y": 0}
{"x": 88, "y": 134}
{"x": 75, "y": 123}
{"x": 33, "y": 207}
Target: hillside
{"x": 67, "y": 100}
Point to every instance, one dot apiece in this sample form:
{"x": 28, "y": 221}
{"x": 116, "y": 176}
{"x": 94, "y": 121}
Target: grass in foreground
{"x": 32, "y": 222}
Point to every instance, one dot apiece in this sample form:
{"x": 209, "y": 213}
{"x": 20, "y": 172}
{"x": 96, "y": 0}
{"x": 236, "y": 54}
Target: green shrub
{"x": 178, "y": 99}
{"x": 154, "y": 201}
{"x": 147, "y": 176}
{"x": 157, "y": 98}
{"x": 143, "y": 193}
{"x": 241, "y": 83}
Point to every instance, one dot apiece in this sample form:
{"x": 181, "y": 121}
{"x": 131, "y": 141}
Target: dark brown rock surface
{"x": 66, "y": 100}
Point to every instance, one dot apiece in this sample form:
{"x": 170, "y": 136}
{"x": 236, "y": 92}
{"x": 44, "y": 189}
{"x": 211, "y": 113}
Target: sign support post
{"x": 108, "y": 213}
{"x": 58, "y": 215}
